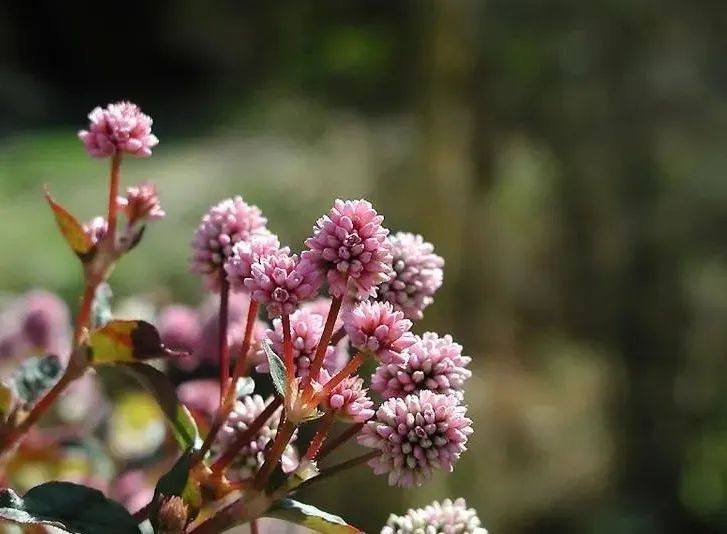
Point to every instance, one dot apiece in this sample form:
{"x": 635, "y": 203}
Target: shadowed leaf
{"x": 177, "y": 482}
{"x": 71, "y": 507}
{"x": 310, "y": 517}
{"x": 158, "y": 384}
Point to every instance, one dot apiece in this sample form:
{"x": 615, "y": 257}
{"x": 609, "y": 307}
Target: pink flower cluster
{"x": 433, "y": 363}
{"x": 280, "y": 282}
{"x": 350, "y": 246}
{"x": 417, "y": 275}
{"x": 223, "y": 226}
{"x": 447, "y": 517}
{"x": 377, "y": 328}
{"x": 415, "y": 435}
{"x": 118, "y": 128}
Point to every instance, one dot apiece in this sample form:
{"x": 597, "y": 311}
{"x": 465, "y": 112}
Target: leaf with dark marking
{"x": 122, "y": 341}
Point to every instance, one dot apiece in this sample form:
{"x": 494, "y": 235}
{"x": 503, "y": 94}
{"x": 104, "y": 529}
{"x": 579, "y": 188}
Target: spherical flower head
{"x": 239, "y": 265}
{"x": 222, "y": 227}
{"x": 375, "y": 327}
{"x": 45, "y": 322}
{"x": 350, "y": 246}
{"x": 447, "y": 517}
{"x": 141, "y": 204}
{"x": 415, "y": 435}
{"x": 433, "y": 363}
{"x": 417, "y": 275}
{"x": 306, "y": 330}
{"x": 251, "y": 456}
{"x": 118, "y": 128}
{"x": 180, "y": 328}
{"x": 349, "y": 399}
{"x": 280, "y": 282}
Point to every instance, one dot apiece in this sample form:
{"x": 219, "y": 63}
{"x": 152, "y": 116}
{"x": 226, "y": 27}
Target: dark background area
{"x": 566, "y": 158}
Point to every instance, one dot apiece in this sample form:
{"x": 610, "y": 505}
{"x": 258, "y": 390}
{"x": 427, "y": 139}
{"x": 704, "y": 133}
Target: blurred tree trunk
{"x": 634, "y": 306}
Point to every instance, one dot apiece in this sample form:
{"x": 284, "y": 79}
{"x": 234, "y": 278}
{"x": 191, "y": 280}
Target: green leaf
{"x": 310, "y": 517}
{"x": 177, "y": 482}
{"x": 71, "y": 507}
{"x": 72, "y": 230}
{"x": 182, "y": 423}
{"x": 277, "y": 368}
{"x": 126, "y": 341}
{"x": 244, "y": 386}
{"x": 34, "y": 376}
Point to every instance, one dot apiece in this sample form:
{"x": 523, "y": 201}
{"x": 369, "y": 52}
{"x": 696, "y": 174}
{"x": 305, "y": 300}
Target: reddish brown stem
{"x": 246, "y": 436}
{"x": 40, "y": 407}
{"x": 288, "y": 350}
{"x": 343, "y": 466}
{"x": 113, "y": 194}
{"x": 222, "y": 346}
{"x": 84, "y": 312}
{"x": 321, "y": 434}
{"x": 254, "y": 527}
{"x": 240, "y": 365}
{"x": 282, "y": 437}
{"x": 325, "y": 338}
{"x": 350, "y": 368}
{"x": 332, "y": 444}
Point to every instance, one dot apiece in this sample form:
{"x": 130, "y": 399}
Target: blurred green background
{"x": 567, "y": 158}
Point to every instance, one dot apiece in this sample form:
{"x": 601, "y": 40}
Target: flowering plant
{"x": 348, "y": 299}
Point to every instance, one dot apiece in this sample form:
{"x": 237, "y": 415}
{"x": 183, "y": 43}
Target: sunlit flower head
{"x": 118, "y": 128}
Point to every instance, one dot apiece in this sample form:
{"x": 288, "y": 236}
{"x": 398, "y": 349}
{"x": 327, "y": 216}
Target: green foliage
{"x": 310, "y": 517}
{"x": 74, "y": 508}
{"x": 277, "y": 368}
{"x": 181, "y": 421}
{"x": 177, "y": 482}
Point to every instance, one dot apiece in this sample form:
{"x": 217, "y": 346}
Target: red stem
{"x": 254, "y": 527}
{"x": 246, "y": 436}
{"x": 84, "y": 312}
{"x": 288, "y": 350}
{"x": 321, "y": 434}
{"x": 282, "y": 437}
{"x": 113, "y": 194}
{"x": 332, "y": 445}
{"x": 343, "y": 466}
{"x": 325, "y": 339}
{"x": 222, "y": 346}
{"x": 240, "y": 365}
{"x": 350, "y": 368}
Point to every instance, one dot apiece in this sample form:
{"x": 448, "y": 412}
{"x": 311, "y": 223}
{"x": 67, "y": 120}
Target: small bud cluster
{"x": 447, "y": 517}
